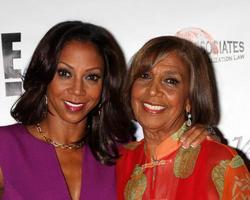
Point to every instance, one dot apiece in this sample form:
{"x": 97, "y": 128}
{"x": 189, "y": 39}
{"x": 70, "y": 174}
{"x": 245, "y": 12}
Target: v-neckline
{"x": 60, "y": 171}
{"x": 63, "y": 184}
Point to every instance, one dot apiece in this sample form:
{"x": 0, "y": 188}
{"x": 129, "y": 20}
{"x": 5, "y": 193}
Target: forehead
{"x": 76, "y": 45}
{"x": 81, "y": 53}
{"x": 171, "y": 62}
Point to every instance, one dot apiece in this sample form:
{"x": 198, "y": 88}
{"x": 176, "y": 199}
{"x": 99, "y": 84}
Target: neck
{"x": 63, "y": 132}
{"x": 155, "y": 137}
{"x": 158, "y": 143}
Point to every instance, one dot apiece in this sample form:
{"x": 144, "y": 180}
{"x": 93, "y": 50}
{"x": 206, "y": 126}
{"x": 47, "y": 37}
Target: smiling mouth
{"x": 74, "y": 107}
{"x": 153, "y": 108}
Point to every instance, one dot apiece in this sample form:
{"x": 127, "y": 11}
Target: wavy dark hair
{"x": 109, "y": 128}
{"x": 203, "y": 92}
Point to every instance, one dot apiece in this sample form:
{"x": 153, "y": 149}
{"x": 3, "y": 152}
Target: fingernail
{"x": 193, "y": 145}
{"x": 185, "y": 146}
{"x": 209, "y": 138}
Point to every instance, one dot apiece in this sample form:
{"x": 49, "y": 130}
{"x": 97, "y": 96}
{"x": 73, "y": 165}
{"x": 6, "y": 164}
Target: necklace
{"x": 75, "y": 145}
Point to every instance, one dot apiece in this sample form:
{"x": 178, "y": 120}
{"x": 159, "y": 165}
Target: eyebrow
{"x": 173, "y": 73}
{"x": 66, "y": 64}
{"x": 71, "y": 67}
{"x": 168, "y": 71}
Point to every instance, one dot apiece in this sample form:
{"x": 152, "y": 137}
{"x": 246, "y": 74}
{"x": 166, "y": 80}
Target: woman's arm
{"x": 195, "y": 135}
{"x": 1, "y": 183}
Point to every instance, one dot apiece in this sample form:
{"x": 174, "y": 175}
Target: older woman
{"x": 170, "y": 86}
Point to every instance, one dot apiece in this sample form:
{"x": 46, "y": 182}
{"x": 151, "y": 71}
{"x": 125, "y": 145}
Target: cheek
{"x": 56, "y": 86}
{"x": 53, "y": 89}
{"x": 138, "y": 89}
{"x": 178, "y": 100}
{"x": 95, "y": 92}
{"x": 136, "y": 93}
{"x": 134, "y": 104}
{"x": 176, "y": 94}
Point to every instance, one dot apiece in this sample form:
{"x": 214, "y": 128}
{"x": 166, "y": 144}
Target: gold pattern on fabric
{"x": 218, "y": 176}
{"x": 131, "y": 145}
{"x": 177, "y": 135}
{"x": 136, "y": 185}
{"x": 237, "y": 161}
{"x": 241, "y": 188}
{"x": 185, "y": 161}
{"x": 153, "y": 164}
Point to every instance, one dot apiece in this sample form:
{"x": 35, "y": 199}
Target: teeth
{"x": 151, "y": 107}
{"x": 73, "y": 104}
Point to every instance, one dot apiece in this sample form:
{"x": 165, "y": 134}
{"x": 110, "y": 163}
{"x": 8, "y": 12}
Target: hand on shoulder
{"x": 197, "y": 134}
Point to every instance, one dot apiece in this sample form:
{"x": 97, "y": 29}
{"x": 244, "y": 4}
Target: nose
{"x": 154, "y": 88}
{"x": 77, "y": 87}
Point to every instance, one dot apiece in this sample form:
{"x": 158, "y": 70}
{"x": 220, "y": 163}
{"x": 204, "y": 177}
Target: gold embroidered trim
{"x": 237, "y": 161}
{"x": 185, "y": 161}
{"x": 153, "y": 164}
{"x": 218, "y": 176}
{"x": 241, "y": 188}
{"x": 177, "y": 135}
{"x": 136, "y": 185}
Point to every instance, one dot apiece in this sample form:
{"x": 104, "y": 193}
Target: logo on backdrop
{"x": 220, "y": 50}
{"x": 241, "y": 144}
{"x": 12, "y": 77}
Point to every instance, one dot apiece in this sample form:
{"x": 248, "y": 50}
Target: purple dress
{"x": 31, "y": 170}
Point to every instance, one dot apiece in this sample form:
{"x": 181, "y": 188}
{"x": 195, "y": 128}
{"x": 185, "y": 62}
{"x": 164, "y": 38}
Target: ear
{"x": 188, "y": 106}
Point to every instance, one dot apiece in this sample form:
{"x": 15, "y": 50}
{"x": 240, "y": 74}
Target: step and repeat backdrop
{"x": 221, "y": 27}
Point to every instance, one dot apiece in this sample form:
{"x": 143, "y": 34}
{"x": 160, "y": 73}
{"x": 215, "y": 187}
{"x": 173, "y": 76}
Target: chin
{"x": 152, "y": 126}
{"x": 74, "y": 120}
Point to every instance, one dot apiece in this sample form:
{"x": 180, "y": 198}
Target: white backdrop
{"x": 135, "y": 22}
